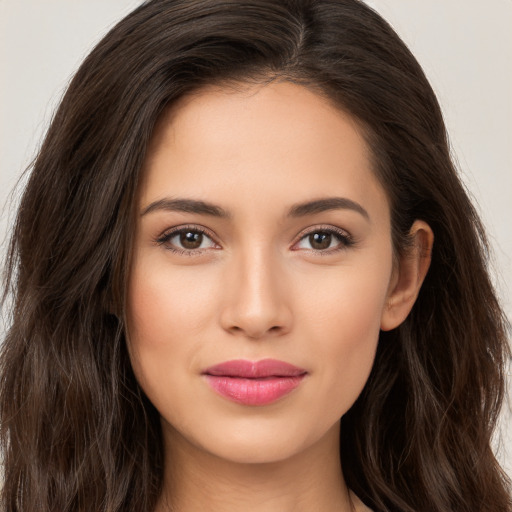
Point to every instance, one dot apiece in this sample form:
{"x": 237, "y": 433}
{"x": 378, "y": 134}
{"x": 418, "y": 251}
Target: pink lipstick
{"x": 254, "y": 382}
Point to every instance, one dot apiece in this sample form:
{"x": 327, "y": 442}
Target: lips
{"x": 254, "y": 382}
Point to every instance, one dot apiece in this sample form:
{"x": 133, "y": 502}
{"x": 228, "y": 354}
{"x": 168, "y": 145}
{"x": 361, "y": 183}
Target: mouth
{"x": 254, "y": 382}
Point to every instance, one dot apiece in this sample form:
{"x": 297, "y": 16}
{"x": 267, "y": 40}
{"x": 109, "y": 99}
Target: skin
{"x": 259, "y": 286}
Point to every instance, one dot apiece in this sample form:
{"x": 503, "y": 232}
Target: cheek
{"x": 343, "y": 317}
{"x": 164, "y": 301}
{"x": 167, "y": 312}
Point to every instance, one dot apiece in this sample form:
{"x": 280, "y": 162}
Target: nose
{"x": 255, "y": 301}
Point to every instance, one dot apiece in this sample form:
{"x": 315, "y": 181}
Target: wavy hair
{"x": 77, "y": 433}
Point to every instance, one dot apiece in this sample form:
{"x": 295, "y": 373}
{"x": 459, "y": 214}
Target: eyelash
{"x": 168, "y": 235}
{"x": 345, "y": 239}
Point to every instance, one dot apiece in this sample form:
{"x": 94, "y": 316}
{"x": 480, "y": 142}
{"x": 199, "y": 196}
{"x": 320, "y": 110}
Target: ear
{"x": 408, "y": 276}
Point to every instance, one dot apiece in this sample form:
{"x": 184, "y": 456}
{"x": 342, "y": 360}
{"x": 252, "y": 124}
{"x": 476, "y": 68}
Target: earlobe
{"x": 408, "y": 277}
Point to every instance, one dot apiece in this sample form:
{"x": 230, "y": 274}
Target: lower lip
{"x": 253, "y": 391}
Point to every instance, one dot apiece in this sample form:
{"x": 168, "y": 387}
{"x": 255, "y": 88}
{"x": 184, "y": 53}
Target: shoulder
{"x": 359, "y": 506}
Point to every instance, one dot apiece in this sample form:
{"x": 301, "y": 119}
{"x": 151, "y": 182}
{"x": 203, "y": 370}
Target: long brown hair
{"x": 77, "y": 432}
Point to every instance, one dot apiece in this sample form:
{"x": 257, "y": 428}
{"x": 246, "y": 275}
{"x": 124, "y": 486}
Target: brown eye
{"x": 188, "y": 241}
{"x": 320, "y": 240}
{"x": 325, "y": 241}
{"x": 191, "y": 239}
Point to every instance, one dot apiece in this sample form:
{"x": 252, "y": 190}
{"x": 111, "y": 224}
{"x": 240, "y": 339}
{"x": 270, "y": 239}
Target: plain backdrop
{"x": 464, "y": 46}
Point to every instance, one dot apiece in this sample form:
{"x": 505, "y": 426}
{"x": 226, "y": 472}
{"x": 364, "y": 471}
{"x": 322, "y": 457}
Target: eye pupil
{"x": 191, "y": 240}
{"x": 320, "y": 240}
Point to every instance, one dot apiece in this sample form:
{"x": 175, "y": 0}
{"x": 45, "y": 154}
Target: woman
{"x": 244, "y": 225}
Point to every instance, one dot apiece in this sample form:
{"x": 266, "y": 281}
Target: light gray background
{"x": 464, "y": 46}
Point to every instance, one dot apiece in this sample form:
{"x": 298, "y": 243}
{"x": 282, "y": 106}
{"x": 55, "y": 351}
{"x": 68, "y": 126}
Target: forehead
{"x": 276, "y": 141}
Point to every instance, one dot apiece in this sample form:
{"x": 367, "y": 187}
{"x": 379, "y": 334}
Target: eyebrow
{"x": 297, "y": 210}
{"x": 326, "y": 204}
{"x": 187, "y": 206}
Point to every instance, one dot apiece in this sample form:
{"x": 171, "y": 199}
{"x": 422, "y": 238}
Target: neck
{"x": 310, "y": 480}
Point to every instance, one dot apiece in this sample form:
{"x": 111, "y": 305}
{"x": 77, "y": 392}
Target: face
{"x": 262, "y": 271}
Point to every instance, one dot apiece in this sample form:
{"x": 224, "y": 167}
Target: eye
{"x": 325, "y": 240}
{"x": 187, "y": 240}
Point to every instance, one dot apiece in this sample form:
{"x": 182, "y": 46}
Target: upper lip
{"x": 242, "y": 368}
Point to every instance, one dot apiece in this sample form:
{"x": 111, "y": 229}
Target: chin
{"x": 259, "y": 442}
{"x": 255, "y": 451}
